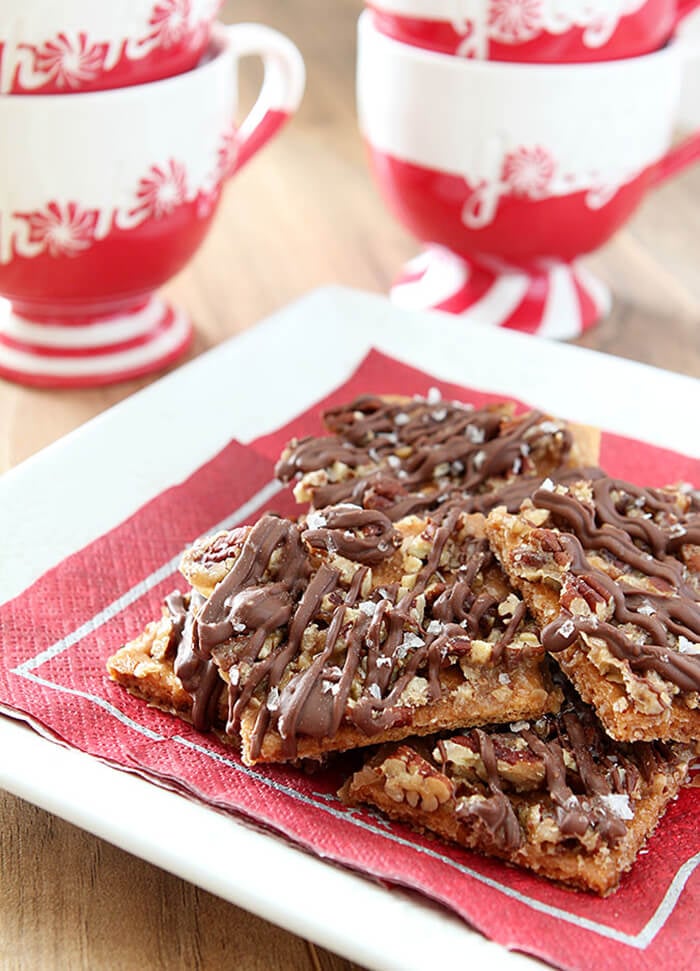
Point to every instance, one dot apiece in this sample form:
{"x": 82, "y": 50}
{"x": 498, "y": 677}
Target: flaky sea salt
{"x": 618, "y": 804}
{"x": 567, "y": 628}
{"x": 474, "y": 434}
{"x": 519, "y": 726}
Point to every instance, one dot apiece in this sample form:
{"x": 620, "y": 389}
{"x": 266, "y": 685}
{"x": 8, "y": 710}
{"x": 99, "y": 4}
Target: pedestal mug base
{"x": 91, "y": 351}
{"x": 556, "y": 300}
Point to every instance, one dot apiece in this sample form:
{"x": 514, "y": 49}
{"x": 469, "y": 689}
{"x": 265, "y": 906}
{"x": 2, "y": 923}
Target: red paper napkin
{"x": 58, "y": 634}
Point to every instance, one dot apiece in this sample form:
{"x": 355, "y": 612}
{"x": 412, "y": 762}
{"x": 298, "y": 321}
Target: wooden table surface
{"x": 304, "y": 214}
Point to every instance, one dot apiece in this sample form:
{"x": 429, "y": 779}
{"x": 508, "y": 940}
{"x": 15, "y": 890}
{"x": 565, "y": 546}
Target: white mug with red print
{"x": 533, "y": 31}
{"x": 105, "y": 196}
{"x": 50, "y": 47}
{"x": 514, "y": 171}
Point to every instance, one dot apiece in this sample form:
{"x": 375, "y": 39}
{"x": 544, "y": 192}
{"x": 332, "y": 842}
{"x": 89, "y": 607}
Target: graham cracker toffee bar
{"x": 346, "y": 629}
{"x": 611, "y": 572}
{"x": 407, "y": 456}
{"x": 556, "y": 796}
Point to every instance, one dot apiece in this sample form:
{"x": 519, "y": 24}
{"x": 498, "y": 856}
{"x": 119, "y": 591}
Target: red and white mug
{"x": 533, "y": 31}
{"x": 89, "y": 45}
{"x": 515, "y": 168}
{"x": 106, "y": 195}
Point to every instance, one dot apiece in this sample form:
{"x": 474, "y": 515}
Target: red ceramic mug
{"x": 48, "y": 47}
{"x": 515, "y": 170}
{"x": 106, "y": 195}
{"x": 533, "y": 31}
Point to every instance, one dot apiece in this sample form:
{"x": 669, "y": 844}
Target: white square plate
{"x": 85, "y": 484}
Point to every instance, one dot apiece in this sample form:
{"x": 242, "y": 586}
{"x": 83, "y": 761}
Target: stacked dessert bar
{"x": 512, "y": 636}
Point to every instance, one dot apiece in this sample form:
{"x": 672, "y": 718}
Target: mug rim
{"x": 454, "y": 63}
{"x": 219, "y": 45}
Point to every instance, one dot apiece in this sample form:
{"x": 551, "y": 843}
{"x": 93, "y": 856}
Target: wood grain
{"x": 303, "y": 214}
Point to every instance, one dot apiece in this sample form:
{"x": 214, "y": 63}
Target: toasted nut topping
{"x": 409, "y": 778}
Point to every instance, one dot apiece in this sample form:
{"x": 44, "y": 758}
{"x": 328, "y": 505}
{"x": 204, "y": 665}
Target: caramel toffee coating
{"x": 316, "y": 645}
{"x": 636, "y": 530}
{"x": 404, "y": 447}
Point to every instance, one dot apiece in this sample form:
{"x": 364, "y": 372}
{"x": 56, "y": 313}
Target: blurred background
{"x": 307, "y": 214}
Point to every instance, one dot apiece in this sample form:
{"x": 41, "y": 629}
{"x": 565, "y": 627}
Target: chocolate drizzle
{"x": 603, "y": 526}
{"x": 199, "y": 677}
{"x": 636, "y": 531}
{"x": 495, "y": 810}
{"x": 364, "y": 535}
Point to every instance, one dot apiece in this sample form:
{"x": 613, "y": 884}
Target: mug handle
{"x": 677, "y": 159}
{"x": 683, "y": 8}
{"x": 282, "y": 88}
{"x": 688, "y": 151}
